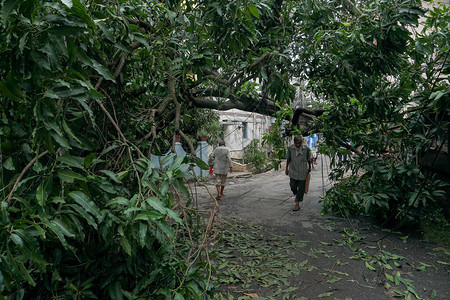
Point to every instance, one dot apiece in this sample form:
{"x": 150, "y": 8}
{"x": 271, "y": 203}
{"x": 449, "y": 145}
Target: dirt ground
{"x": 271, "y": 252}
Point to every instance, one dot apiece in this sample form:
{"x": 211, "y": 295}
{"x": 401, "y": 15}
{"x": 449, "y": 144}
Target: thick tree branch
{"x": 263, "y": 106}
{"x": 188, "y": 142}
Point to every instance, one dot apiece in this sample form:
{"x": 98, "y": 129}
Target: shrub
{"x": 255, "y": 155}
{"x": 341, "y": 198}
{"x": 81, "y": 234}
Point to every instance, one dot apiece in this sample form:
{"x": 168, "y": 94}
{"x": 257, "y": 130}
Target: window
{"x": 244, "y": 130}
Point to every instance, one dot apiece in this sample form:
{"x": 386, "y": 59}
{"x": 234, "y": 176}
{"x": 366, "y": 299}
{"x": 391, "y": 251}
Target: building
{"x": 242, "y": 127}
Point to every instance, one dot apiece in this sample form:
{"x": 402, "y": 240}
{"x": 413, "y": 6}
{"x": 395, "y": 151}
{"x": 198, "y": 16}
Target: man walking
{"x": 298, "y": 166}
{"x": 221, "y": 160}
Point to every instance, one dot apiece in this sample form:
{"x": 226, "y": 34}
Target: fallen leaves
{"x": 251, "y": 262}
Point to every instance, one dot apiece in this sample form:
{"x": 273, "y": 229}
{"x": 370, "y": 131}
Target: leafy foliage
{"x": 255, "y": 155}
{"x": 84, "y": 213}
{"x": 89, "y": 89}
{"x": 341, "y": 200}
{"x": 383, "y": 82}
{"x": 206, "y": 124}
{"x": 275, "y": 138}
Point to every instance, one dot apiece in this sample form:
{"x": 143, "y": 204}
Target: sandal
{"x": 296, "y": 207}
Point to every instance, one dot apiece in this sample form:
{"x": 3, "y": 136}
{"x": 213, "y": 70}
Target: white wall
{"x": 233, "y": 121}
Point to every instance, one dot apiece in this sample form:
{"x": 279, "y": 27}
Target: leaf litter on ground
{"x": 254, "y": 260}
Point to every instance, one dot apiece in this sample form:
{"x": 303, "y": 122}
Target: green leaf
{"x": 57, "y": 231}
{"x": 201, "y": 164}
{"x": 72, "y": 161}
{"x": 16, "y": 240}
{"x": 24, "y": 272}
{"x": 111, "y": 175}
{"x": 174, "y": 216}
{"x": 9, "y": 165}
{"x": 167, "y": 159}
{"x": 223, "y": 265}
{"x": 166, "y": 229}
{"x": 54, "y": 127}
{"x": 62, "y": 141}
{"x": 119, "y": 200}
{"x": 85, "y": 202}
{"x": 7, "y": 9}
{"x": 254, "y": 10}
{"x": 64, "y": 30}
{"x": 5, "y": 214}
{"x": 368, "y": 266}
{"x": 422, "y": 268}
{"x": 89, "y": 159}
{"x": 181, "y": 187}
{"x": 102, "y": 70}
{"x": 70, "y": 133}
{"x": 71, "y": 92}
{"x": 141, "y": 40}
{"x": 106, "y": 31}
{"x": 389, "y": 277}
{"x": 156, "y": 204}
{"x": 176, "y": 163}
{"x": 335, "y": 279}
{"x": 41, "y": 194}
{"x": 68, "y": 3}
{"x": 148, "y": 183}
{"x": 40, "y": 229}
{"x": 69, "y": 176}
{"x": 164, "y": 187}
{"x": 178, "y": 296}
{"x": 148, "y": 216}
{"x": 63, "y": 228}
{"x": 110, "y": 148}
{"x": 80, "y": 210}
{"x": 325, "y": 295}
{"x": 125, "y": 245}
{"x": 8, "y": 93}
{"x": 122, "y": 174}
{"x": 143, "y": 229}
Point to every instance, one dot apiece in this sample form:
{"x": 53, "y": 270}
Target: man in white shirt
{"x": 220, "y": 159}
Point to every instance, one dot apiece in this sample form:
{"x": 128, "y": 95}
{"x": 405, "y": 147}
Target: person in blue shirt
{"x": 312, "y": 143}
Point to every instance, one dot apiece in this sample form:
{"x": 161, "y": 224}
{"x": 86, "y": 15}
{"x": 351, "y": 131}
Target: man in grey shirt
{"x": 221, "y": 160}
{"x": 298, "y": 166}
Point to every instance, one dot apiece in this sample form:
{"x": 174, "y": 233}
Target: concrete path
{"x": 265, "y": 199}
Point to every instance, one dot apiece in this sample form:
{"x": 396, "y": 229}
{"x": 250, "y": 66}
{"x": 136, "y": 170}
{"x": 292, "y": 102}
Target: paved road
{"x": 265, "y": 199}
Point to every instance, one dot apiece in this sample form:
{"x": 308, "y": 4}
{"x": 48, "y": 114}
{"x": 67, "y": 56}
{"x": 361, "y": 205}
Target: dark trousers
{"x": 298, "y": 188}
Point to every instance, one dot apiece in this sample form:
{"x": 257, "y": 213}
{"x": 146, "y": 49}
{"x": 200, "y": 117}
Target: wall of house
{"x": 241, "y": 127}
